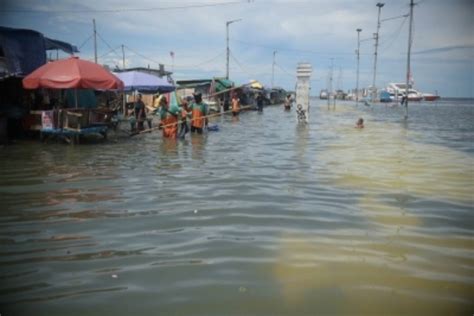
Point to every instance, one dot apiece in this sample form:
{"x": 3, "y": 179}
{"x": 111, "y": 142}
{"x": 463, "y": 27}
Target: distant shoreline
{"x": 440, "y": 99}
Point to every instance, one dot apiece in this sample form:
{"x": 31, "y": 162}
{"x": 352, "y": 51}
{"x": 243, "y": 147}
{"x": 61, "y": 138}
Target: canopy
{"x": 220, "y": 83}
{"x": 135, "y": 80}
{"x": 72, "y": 73}
{"x": 255, "y": 84}
{"x": 223, "y": 84}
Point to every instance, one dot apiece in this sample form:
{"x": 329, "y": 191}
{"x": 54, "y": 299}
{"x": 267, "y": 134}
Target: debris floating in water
{"x": 114, "y": 276}
{"x": 195, "y": 211}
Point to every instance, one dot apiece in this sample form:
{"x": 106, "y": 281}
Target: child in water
{"x": 360, "y": 123}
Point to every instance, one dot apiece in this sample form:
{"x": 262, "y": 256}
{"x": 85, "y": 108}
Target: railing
{"x": 69, "y": 119}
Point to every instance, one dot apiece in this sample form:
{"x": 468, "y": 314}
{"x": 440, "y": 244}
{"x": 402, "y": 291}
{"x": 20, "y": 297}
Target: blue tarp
{"x": 143, "y": 82}
{"x": 55, "y": 44}
{"x": 25, "y": 50}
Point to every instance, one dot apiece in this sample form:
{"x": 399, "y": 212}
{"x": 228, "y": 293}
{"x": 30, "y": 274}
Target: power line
{"x": 199, "y": 5}
{"x": 143, "y": 56}
{"x": 175, "y": 66}
{"x": 286, "y": 72}
{"x": 207, "y": 61}
{"x": 103, "y": 55}
{"x": 290, "y": 49}
{"x": 84, "y": 43}
{"x": 110, "y": 47}
{"x": 240, "y": 65}
{"x": 394, "y": 36}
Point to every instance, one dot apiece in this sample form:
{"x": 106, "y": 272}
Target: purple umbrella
{"x": 135, "y": 80}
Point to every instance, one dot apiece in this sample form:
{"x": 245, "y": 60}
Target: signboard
{"x": 47, "y": 118}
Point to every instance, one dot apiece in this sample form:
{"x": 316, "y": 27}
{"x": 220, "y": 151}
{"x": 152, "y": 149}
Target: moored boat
{"x": 398, "y": 90}
{"x": 430, "y": 97}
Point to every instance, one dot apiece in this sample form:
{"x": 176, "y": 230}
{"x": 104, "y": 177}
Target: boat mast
{"x": 408, "y": 57}
{"x": 330, "y": 83}
{"x": 273, "y": 67}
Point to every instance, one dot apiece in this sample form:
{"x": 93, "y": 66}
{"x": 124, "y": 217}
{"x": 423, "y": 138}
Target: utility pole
{"x": 339, "y": 86}
{"x": 273, "y": 67}
{"x": 376, "y": 36}
{"x": 410, "y": 31}
{"x": 228, "y": 50}
{"x": 95, "y": 41}
{"x": 358, "y": 60}
{"x": 123, "y": 57}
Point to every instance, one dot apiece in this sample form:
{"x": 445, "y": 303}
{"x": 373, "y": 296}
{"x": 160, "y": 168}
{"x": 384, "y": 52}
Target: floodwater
{"x": 264, "y": 217}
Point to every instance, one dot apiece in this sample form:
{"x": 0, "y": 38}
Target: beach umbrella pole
{"x": 124, "y": 104}
{"x": 75, "y": 96}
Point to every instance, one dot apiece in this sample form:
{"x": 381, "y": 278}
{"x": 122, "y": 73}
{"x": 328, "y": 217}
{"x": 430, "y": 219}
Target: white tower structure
{"x": 303, "y": 75}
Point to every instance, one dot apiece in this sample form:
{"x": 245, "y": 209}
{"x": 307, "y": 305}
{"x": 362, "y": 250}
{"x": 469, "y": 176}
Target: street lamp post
{"x": 358, "y": 59}
{"x": 376, "y": 35}
{"x": 228, "y": 50}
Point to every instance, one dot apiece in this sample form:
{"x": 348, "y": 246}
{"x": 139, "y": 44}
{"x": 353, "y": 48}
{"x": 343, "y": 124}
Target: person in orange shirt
{"x": 235, "y": 105}
{"x": 170, "y": 117}
{"x": 198, "y": 111}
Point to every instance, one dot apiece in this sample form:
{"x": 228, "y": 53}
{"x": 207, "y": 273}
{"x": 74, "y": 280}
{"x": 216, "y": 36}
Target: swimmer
{"x": 360, "y": 123}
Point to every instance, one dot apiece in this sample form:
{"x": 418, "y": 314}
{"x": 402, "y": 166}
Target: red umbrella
{"x": 72, "y": 73}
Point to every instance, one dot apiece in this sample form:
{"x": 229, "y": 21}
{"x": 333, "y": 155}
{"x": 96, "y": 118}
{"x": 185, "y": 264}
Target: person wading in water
{"x": 235, "y": 105}
{"x": 140, "y": 112}
{"x": 170, "y": 116}
{"x": 198, "y": 110}
{"x": 288, "y": 102}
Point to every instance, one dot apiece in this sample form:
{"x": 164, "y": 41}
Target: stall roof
{"x": 221, "y": 83}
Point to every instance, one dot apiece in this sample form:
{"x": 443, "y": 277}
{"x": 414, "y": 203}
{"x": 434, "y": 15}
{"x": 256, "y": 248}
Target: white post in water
{"x": 303, "y": 74}
{"x": 408, "y": 58}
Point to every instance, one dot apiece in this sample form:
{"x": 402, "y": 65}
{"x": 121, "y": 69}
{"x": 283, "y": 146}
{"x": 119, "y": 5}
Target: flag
{"x": 172, "y": 54}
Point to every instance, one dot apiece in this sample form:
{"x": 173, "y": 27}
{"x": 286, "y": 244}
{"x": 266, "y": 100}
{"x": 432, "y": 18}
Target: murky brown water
{"x": 263, "y": 217}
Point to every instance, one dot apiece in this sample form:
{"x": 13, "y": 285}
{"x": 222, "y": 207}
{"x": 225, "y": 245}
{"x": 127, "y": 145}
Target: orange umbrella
{"x": 72, "y": 73}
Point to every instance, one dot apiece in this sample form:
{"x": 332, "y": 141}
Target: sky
{"x": 322, "y": 33}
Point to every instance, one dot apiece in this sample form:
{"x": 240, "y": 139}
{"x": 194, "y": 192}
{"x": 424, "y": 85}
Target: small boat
{"x": 323, "y": 95}
{"x": 414, "y": 96}
{"x": 430, "y": 97}
{"x": 384, "y": 96}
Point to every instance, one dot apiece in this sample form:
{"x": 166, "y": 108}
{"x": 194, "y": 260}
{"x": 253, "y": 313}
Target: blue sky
{"x": 300, "y": 30}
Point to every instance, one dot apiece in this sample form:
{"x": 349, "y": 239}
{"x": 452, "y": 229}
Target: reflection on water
{"x": 263, "y": 217}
